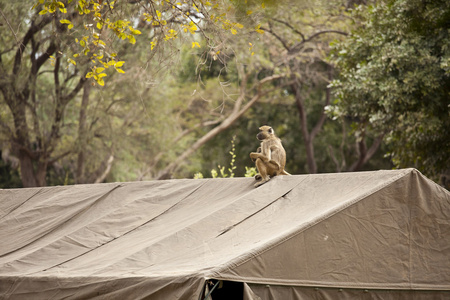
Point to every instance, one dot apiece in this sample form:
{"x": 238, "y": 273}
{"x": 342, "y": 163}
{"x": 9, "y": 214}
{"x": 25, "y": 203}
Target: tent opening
{"x": 222, "y": 290}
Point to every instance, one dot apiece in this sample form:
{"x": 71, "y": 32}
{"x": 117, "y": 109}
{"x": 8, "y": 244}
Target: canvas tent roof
{"x": 383, "y": 230}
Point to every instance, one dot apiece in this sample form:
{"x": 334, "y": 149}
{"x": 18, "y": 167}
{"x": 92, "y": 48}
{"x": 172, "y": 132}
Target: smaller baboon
{"x": 270, "y": 158}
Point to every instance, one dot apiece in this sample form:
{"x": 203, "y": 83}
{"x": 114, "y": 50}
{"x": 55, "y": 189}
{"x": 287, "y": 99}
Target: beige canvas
{"x": 383, "y": 230}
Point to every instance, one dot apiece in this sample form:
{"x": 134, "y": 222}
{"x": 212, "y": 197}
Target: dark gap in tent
{"x": 222, "y": 290}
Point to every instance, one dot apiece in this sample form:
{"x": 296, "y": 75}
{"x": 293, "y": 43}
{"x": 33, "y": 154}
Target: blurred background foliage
{"x": 347, "y": 85}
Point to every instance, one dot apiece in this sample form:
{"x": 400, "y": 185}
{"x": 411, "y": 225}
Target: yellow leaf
{"x": 76, "y": 55}
{"x": 89, "y": 75}
{"x": 99, "y": 25}
{"x": 263, "y": 5}
{"x": 153, "y": 44}
{"x": 249, "y": 12}
{"x": 195, "y": 44}
{"x": 64, "y": 21}
{"x": 43, "y": 12}
{"x": 258, "y": 30}
{"x": 99, "y": 70}
{"x": 100, "y": 82}
{"x": 131, "y": 39}
{"x": 120, "y": 71}
{"x": 119, "y": 64}
{"x": 233, "y": 31}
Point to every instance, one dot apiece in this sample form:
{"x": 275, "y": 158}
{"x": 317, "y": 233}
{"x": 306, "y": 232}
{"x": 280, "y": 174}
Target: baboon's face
{"x": 265, "y": 132}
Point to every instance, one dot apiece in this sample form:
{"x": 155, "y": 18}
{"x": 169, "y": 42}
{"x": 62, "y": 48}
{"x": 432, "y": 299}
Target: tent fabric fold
{"x": 295, "y": 235}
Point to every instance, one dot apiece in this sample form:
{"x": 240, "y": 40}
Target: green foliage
{"x": 222, "y": 173}
{"x": 395, "y": 79}
{"x": 250, "y": 172}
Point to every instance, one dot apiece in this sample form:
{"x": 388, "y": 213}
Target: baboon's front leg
{"x": 262, "y": 169}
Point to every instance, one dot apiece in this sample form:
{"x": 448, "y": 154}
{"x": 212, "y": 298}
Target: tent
{"x": 365, "y": 235}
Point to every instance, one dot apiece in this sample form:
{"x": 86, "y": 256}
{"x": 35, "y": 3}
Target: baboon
{"x": 270, "y": 158}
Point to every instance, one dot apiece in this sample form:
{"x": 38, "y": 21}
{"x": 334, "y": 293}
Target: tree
{"x": 395, "y": 80}
{"x": 298, "y": 42}
{"x": 295, "y": 47}
{"x": 53, "y": 52}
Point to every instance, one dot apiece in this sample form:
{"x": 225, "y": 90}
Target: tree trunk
{"x": 82, "y": 134}
{"x": 26, "y": 170}
{"x": 41, "y": 173}
{"x": 364, "y": 154}
{"x": 307, "y": 138}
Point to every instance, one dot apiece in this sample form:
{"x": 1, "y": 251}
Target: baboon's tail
{"x": 284, "y": 173}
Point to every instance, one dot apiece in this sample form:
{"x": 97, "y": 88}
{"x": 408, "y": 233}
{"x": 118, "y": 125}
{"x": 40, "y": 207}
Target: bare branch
{"x": 10, "y": 27}
{"x": 291, "y": 27}
{"x": 106, "y": 171}
{"x": 28, "y": 36}
{"x": 296, "y": 48}
{"x": 271, "y": 31}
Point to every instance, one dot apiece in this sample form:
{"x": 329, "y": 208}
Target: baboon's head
{"x": 266, "y": 132}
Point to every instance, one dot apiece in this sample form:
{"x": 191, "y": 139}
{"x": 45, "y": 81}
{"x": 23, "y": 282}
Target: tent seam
{"x": 20, "y": 205}
{"x": 143, "y": 224}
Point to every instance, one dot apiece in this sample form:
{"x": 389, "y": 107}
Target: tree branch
{"x": 296, "y": 48}
{"x": 291, "y": 27}
{"x": 364, "y": 154}
{"x": 10, "y": 27}
{"x": 282, "y": 41}
{"x": 30, "y": 33}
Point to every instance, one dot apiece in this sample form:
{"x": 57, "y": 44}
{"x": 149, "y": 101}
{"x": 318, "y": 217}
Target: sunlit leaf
{"x": 119, "y": 64}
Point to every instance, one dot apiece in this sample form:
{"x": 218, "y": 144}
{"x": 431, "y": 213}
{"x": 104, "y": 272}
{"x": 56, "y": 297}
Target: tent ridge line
{"x": 257, "y": 252}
